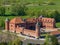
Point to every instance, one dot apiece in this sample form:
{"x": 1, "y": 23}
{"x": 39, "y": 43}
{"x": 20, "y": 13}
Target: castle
{"x": 29, "y": 26}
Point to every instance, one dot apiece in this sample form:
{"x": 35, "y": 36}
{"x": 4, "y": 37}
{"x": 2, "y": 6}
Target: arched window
{"x": 48, "y": 21}
{"x": 51, "y": 22}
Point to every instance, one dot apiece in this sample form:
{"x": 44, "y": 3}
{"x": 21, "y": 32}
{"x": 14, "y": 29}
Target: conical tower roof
{"x": 7, "y": 19}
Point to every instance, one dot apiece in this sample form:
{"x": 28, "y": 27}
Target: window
{"x": 51, "y": 21}
{"x": 11, "y": 25}
{"x": 48, "y": 21}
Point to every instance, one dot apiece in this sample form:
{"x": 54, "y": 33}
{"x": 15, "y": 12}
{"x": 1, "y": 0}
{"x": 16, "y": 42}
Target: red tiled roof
{"x": 17, "y": 20}
{"x": 31, "y": 20}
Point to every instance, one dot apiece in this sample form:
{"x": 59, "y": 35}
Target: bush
{"x": 2, "y": 11}
{"x": 51, "y": 14}
{"x": 54, "y": 40}
{"x": 51, "y": 40}
{"x": 15, "y": 42}
{"x": 7, "y": 38}
{"x": 3, "y": 43}
{"x": 49, "y": 3}
{"x": 18, "y": 9}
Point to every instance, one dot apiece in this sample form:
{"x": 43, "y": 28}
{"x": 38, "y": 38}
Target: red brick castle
{"x": 29, "y": 26}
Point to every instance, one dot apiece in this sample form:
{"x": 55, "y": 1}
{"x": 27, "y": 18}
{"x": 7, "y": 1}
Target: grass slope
{"x": 58, "y": 24}
{"x": 50, "y": 7}
{"x": 36, "y": 8}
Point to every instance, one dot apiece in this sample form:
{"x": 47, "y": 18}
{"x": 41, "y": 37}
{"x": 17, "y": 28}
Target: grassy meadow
{"x": 58, "y": 24}
{"x": 39, "y": 5}
{"x": 42, "y": 6}
{"x": 33, "y": 5}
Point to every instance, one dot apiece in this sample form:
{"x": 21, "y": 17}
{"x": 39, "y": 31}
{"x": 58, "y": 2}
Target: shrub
{"x": 49, "y": 3}
{"x": 2, "y": 11}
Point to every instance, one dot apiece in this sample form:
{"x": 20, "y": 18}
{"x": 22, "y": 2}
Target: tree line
{"x": 22, "y": 10}
{"x": 19, "y": 8}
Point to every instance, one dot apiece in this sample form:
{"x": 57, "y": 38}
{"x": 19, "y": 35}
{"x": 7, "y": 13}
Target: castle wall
{"x": 19, "y": 30}
{"x": 48, "y": 23}
{"x": 7, "y": 25}
{"x": 12, "y": 27}
{"x": 30, "y": 27}
{"x": 25, "y": 31}
{"x": 29, "y": 32}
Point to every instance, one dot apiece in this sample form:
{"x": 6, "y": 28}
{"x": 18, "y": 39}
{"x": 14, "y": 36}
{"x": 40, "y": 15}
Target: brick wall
{"x": 29, "y": 32}
{"x": 25, "y": 31}
{"x": 7, "y": 25}
{"x": 48, "y": 22}
{"x": 19, "y": 29}
{"x": 12, "y": 27}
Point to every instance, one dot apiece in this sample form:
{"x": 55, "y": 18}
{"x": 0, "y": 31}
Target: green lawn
{"x": 37, "y": 8}
{"x": 49, "y": 7}
{"x": 58, "y": 24}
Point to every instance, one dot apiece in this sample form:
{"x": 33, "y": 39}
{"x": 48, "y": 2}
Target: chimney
{"x": 7, "y": 24}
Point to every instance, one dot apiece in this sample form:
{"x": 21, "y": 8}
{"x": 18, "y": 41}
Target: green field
{"x": 33, "y": 6}
{"x": 58, "y": 24}
{"x": 51, "y": 7}
{"x": 36, "y": 2}
{"x": 41, "y": 6}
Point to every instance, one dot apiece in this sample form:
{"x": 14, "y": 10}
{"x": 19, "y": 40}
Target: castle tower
{"x": 7, "y": 24}
{"x": 40, "y": 18}
{"x": 37, "y": 30}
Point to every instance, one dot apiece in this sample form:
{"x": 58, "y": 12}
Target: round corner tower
{"x": 37, "y": 30}
{"x": 7, "y": 24}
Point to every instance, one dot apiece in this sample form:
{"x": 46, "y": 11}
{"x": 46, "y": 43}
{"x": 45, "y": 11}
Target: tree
{"x": 2, "y": 24}
{"x": 15, "y": 42}
{"x": 2, "y": 11}
{"x": 54, "y": 40}
{"x": 18, "y": 9}
{"x": 51, "y": 14}
{"x": 3, "y": 43}
{"x": 47, "y": 40}
{"x": 51, "y": 40}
